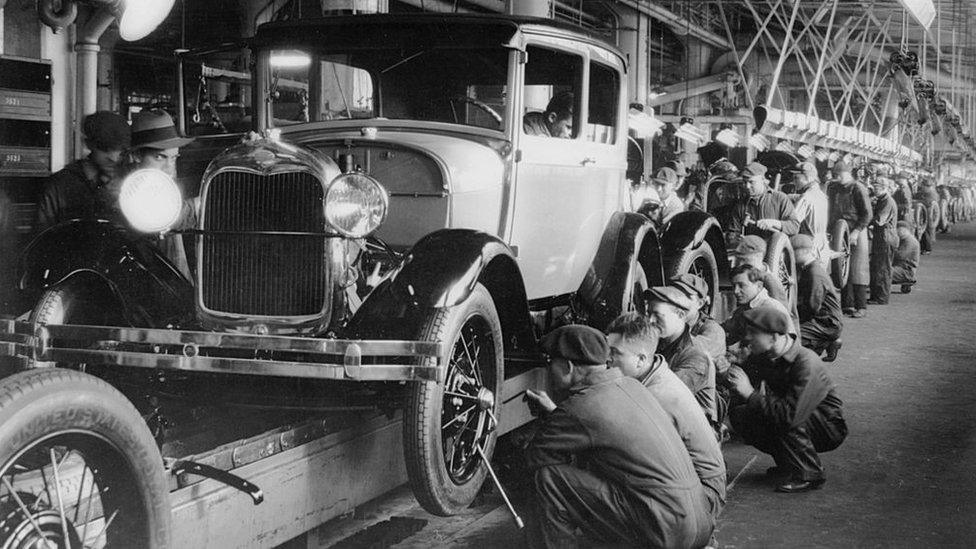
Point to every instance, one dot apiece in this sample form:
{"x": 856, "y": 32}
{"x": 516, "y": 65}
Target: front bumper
{"x": 297, "y": 357}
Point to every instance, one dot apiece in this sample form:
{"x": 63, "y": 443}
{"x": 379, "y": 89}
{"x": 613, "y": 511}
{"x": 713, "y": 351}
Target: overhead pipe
{"x": 56, "y": 17}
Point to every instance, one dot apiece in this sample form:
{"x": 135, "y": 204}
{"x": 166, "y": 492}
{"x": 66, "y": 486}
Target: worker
{"x": 903, "y": 196}
{"x": 668, "y": 309}
{"x": 905, "y": 263}
{"x": 763, "y": 208}
{"x": 751, "y": 250}
{"x": 749, "y": 293}
{"x": 632, "y": 340}
{"x": 818, "y": 302}
{"x": 80, "y": 190}
{"x": 849, "y": 200}
{"x": 608, "y": 459}
{"x": 555, "y": 121}
{"x": 884, "y": 240}
{"x": 798, "y": 415}
{"x": 928, "y": 196}
{"x": 705, "y": 331}
{"x": 810, "y": 210}
{"x": 665, "y": 182}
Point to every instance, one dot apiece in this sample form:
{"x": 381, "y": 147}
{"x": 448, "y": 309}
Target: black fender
{"x": 150, "y": 290}
{"x": 606, "y": 290}
{"x": 441, "y": 270}
{"x": 691, "y": 229}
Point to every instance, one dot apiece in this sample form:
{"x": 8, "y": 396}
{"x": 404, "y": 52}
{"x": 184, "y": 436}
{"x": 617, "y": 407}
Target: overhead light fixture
{"x": 727, "y": 137}
{"x": 642, "y": 123}
{"x": 289, "y": 59}
{"x": 922, "y": 10}
{"x": 759, "y": 142}
{"x": 138, "y": 18}
{"x": 821, "y": 154}
{"x": 784, "y": 146}
{"x": 688, "y": 132}
{"x": 805, "y": 151}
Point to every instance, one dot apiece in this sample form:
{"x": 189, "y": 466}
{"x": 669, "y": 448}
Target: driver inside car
{"x": 555, "y": 121}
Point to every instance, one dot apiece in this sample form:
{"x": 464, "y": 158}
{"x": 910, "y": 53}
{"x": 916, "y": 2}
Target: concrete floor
{"x": 905, "y": 477}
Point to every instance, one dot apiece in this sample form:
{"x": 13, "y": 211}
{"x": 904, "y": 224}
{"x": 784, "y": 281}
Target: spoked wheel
{"x": 78, "y": 466}
{"x": 840, "y": 244}
{"x": 445, "y": 423}
{"x": 700, "y": 262}
{"x": 779, "y": 258}
{"x": 921, "y": 216}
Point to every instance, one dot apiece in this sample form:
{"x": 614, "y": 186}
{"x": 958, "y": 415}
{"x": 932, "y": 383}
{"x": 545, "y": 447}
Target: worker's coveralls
{"x": 884, "y": 242}
{"x": 633, "y": 481}
{"x": 906, "y": 260}
{"x": 818, "y": 301}
{"x": 693, "y": 366}
{"x": 796, "y": 416}
{"x": 851, "y": 203}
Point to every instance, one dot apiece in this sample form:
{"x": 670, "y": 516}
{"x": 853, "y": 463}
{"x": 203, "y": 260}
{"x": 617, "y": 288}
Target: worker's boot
{"x": 832, "y": 348}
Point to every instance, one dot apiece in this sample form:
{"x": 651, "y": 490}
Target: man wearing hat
{"x": 798, "y": 414}
{"x": 810, "y": 209}
{"x": 633, "y": 340}
{"x": 751, "y": 250}
{"x": 705, "y": 331}
{"x": 818, "y": 302}
{"x": 668, "y": 309}
{"x": 665, "y": 181}
{"x": 633, "y": 481}
{"x": 906, "y": 258}
{"x": 80, "y": 189}
{"x": 849, "y": 200}
{"x": 769, "y": 210}
{"x": 903, "y": 196}
{"x": 884, "y": 241}
{"x": 750, "y": 293}
{"x": 156, "y": 144}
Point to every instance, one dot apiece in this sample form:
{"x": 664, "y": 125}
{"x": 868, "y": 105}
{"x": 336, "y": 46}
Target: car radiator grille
{"x": 264, "y": 274}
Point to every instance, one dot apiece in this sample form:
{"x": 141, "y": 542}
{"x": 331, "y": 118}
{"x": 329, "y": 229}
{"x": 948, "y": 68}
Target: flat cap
{"x": 839, "y": 167}
{"x": 678, "y": 167}
{"x": 754, "y": 168}
{"x": 670, "y": 294}
{"x": 107, "y": 131}
{"x": 665, "y": 176}
{"x": 809, "y": 169}
{"x": 801, "y": 241}
{"x": 750, "y": 244}
{"x": 692, "y": 285}
{"x": 580, "y": 344}
{"x": 768, "y": 319}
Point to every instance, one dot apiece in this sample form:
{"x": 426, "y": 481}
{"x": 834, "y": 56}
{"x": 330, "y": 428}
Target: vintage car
{"x": 389, "y": 235}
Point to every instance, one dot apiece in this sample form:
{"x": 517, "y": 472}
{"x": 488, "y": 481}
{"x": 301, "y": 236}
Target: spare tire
{"x": 920, "y": 219}
{"x": 840, "y": 242}
{"x": 935, "y": 217}
{"x": 781, "y": 261}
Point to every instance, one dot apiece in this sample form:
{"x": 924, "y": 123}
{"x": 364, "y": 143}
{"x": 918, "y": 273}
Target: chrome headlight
{"x": 150, "y": 200}
{"x": 355, "y": 204}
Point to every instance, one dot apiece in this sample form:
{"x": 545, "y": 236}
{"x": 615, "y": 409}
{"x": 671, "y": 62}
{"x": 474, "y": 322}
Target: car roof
{"x": 412, "y": 30}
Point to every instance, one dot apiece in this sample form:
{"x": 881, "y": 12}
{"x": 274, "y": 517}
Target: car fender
{"x": 150, "y": 289}
{"x": 691, "y": 229}
{"x": 441, "y": 270}
{"x": 608, "y": 285}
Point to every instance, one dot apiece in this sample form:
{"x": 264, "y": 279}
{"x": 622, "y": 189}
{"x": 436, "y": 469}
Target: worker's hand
{"x": 739, "y": 382}
{"x": 769, "y": 224}
{"x": 539, "y": 402}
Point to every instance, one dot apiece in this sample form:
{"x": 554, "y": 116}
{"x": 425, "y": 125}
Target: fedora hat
{"x": 154, "y": 129}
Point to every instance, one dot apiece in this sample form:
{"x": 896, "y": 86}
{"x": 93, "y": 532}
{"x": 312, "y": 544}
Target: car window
{"x": 218, "y": 94}
{"x": 601, "y": 123}
{"x": 553, "y": 79}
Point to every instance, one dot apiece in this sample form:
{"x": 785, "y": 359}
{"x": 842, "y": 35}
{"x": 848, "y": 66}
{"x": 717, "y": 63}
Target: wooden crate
{"x": 25, "y": 161}
{"x": 25, "y": 105}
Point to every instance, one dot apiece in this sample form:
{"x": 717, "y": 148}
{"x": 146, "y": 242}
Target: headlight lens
{"x": 150, "y": 200}
{"x": 355, "y": 204}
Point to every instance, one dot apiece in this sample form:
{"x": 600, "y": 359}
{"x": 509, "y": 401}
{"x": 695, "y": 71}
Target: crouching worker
{"x": 906, "y": 258}
{"x": 632, "y": 480}
{"x": 632, "y": 340}
{"x": 798, "y": 414}
{"x": 818, "y": 301}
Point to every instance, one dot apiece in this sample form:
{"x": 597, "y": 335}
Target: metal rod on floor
{"x": 491, "y": 471}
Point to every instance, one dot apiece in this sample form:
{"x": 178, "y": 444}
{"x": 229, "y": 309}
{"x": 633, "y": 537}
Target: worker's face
{"x": 667, "y": 318}
{"x": 756, "y": 184}
{"x": 560, "y": 373}
{"x": 107, "y": 162}
{"x": 880, "y": 187}
{"x": 845, "y": 177}
{"x": 760, "y": 344}
{"x": 561, "y": 127}
{"x": 160, "y": 159}
{"x": 744, "y": 289}
{"x": 664, "y": 188}
{"x": 629, "y": 356}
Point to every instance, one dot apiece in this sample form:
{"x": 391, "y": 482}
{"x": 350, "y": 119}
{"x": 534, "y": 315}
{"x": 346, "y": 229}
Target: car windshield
{"x": 436, "y": 84}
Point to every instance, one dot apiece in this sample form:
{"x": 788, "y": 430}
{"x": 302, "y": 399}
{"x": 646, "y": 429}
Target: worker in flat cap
{"x": 665, "y": 183}
{"x": 884, "y": 240}
{"x": 795, "y": 413}
{"x": 905, "y": 263}
{"x": 751, "y": 250}
{"x": 705, "y": 331}
{"x": 849, "y": 201}
{"x": 608, "y": 460}
{"x": 818, "y": 302}
{"x": 903, "y": 196}
{"x": 762, "y": 209}
{"x": 633, "y": 340}
{"x": 669, "y": 309}
{"x": 750, "y": 292}
{"x": 810, "y": 209}
{"x": 80, "y": 190}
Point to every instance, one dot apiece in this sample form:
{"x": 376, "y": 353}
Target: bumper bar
{"x": 299, "y": 357}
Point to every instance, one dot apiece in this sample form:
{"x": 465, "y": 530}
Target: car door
{"x": 566, "y": 188}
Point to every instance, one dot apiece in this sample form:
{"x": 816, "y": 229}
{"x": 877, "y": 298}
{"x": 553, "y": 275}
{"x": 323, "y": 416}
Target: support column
{"x": 634, "y": 43}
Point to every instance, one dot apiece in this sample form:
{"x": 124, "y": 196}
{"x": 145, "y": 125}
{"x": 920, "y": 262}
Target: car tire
{"x": 935, "y": 217}
{"x": 781, "y": 261}
{"x": 447, "y": 484}
{"x": 920, "y": 218}
{"x": 88, "y": 430}
{"x": 840, "y": 241}
{"x": 73, "y": 302}
{"x": 698, "y": 261}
